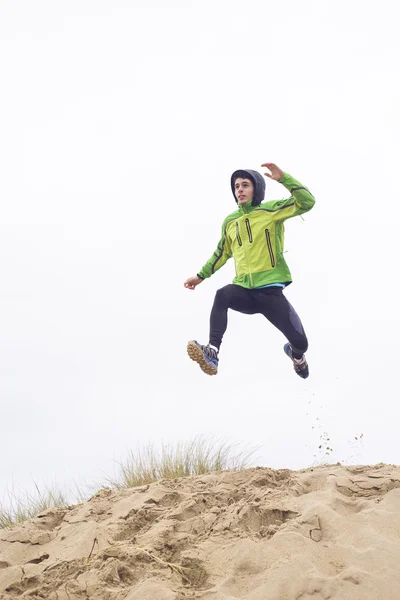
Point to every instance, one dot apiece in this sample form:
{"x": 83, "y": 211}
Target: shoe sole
{"x": 196, "y": 354}
{"x": 301, "y": 376}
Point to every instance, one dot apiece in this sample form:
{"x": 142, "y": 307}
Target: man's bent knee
{"x": 223, "y": 295}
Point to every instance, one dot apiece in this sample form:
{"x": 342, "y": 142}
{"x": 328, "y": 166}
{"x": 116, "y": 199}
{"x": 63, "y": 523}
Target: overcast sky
{"x": 120, "y": 125}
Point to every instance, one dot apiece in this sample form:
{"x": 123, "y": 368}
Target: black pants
{"x": 269, "y": 302}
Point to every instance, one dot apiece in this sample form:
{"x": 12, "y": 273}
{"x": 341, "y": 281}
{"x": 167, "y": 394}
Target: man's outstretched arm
{"x": 217, "y": 260}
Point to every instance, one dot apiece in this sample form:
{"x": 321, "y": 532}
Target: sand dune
{"x": 257, "y": 534}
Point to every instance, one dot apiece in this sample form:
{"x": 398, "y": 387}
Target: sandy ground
{"x": 258, "y": 534}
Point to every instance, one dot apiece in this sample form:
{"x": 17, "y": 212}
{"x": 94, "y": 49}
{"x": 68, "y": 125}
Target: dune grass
{"x": 147, "y": 465}
{"x": 29, "y": 506}
{"x": 198, "y": 457}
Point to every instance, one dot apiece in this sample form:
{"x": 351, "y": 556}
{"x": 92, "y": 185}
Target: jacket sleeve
{"x": 300, "y": 201}
{"x": 222, "y": 253}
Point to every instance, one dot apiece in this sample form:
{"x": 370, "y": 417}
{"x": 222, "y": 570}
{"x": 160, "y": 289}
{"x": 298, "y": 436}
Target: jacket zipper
{"x": 238, "y": 234}
{"x": 247, "y": 257}
{"x": 271, "y": 252}
{"x": 249, "y": 231}
{"x": 245, "y": 251}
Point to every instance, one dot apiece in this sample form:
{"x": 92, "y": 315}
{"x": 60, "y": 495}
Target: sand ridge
{"x": 257, "y": 534}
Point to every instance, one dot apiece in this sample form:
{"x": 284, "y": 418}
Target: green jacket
{"x": 254, "y": 236}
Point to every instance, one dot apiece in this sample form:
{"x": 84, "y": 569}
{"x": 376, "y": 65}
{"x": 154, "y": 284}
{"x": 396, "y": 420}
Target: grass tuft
{"x": 198, "y": 457}
{"x": 30, "y": 506}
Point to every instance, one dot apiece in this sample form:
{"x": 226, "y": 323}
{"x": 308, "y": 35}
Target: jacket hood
{"x": 257, "y": 180}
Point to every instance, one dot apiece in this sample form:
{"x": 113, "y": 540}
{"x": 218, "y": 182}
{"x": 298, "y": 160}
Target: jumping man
{"x": 254, "y": 235}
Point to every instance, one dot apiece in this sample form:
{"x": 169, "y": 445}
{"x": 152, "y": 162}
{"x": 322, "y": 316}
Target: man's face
{"x": 244, "y": 190}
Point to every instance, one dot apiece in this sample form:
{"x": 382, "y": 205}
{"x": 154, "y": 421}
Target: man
{"x": 254, "y": 236}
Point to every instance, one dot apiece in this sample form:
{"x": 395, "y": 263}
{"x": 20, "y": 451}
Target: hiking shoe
{"x": 299, "y": 364}
{"x": 204, "y": 355}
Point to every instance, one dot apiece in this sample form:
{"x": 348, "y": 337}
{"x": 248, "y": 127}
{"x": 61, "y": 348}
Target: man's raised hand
{"x": 191, "y": 283}
{"x": 275, "y": 172}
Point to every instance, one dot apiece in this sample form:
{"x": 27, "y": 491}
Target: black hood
{"x": 257, "y": 180}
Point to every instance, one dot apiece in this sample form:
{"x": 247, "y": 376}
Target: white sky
{"x": 120, "y": 125}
